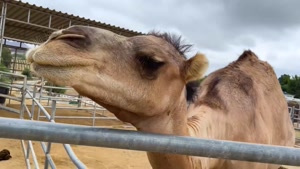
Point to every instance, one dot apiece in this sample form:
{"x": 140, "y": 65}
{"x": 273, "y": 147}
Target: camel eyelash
{"x": 149, "y": 63}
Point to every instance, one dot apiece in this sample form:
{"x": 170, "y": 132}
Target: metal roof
{"x": 33, "y": 24}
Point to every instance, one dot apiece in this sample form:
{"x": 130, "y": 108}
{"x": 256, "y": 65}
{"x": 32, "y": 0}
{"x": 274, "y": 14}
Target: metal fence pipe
{"x": 73, "y": 157}
{"x": 94, "y": 115}
{"x": 28, "y": 112}
{"x": 82, "y": 117}
{"x": 23, "y": 102}
{"x": 35, "y": 162}
{"x": 16, "y": 111}
{"x": 27, "y": 162}
{"x": 113, "y": 138}
{"x": 10, "y": 97}
{"x": 76, "y": 108}
{"x": 32, "y": 102}
{"x": 47, "y": 156}
{"x": 40, "y": 95}
{"x": 9, "y": 85}
{"x": 54, "y": 87}
{"x": 48, "y": 149}
{"x": 12, "y": 74}
{"x": 40, "y": 107}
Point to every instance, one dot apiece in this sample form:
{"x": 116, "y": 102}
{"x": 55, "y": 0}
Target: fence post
{"x": 292, "y": 114}
{"x": 94, "y": 114}
{"x": 40, "y": 98}
{"x": 52, "y": 117}
{"x": 79, "y": 100}
{"x": 23, "y": 102}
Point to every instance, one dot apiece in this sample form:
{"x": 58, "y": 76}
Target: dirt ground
{"x": 92, "y": 157}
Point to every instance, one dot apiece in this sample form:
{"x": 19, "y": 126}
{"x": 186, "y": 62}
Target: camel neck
{"x": 169, "y": 123}
{"x": 172, "y": 122}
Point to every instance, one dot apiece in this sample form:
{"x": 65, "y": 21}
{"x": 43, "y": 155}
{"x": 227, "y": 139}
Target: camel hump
{"x": 247, "y": 55}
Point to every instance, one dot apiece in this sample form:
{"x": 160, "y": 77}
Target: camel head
{"x": 141, "y": 75}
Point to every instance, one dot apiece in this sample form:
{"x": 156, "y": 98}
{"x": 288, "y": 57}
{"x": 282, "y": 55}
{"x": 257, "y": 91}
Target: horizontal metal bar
{"x": 31, "y": 24}
{"x": 21, "y": 40}
{"x": 77, "y": 108}
{"x": 12, "y": 74}
{"x": 9, "y": 85}
{"x": 82, "y": 117}
{"x": 55, "y": 87}
{"x": 90, "y": 136}
{"x": 10, "y": 97}
{"x": 9, "y": 109}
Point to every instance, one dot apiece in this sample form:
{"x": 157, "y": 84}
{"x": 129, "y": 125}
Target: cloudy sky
{"x": 221, "y": 29}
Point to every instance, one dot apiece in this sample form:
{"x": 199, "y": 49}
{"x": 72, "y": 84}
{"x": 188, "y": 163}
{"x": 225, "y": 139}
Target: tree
{"x": 290, "y": 84}
{"x": 27, "y": 73}
{"x": 284, "y": 79}
{"x": 6, "y": 57}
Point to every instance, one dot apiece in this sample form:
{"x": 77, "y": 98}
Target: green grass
{"x": 297, "y": 134}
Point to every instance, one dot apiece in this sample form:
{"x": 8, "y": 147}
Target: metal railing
{"x": 133, "y": 140}
{"x": 27, "y": 146}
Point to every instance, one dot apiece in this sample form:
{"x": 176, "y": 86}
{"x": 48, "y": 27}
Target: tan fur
{"x": 196, "y": 67}
{"x": 241, "y": 102}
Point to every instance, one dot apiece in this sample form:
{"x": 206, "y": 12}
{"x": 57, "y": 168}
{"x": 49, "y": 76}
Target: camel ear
{"x": 195, "y": 67}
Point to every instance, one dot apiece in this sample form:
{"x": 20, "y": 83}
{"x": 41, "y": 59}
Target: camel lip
{"x": 59, "y": 61}
{"x": 60, "y": 64}
{"x": 57, "y": 66}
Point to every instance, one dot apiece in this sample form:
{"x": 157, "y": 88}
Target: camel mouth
{"x": 49, "y": 59}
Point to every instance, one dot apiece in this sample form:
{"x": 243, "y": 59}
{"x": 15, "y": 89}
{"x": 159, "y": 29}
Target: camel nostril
{"x": 70, "y": 36}
{"x": 55, "y": 34}
{"x": 74, "y": 30}
{"x": 73, "y": 39}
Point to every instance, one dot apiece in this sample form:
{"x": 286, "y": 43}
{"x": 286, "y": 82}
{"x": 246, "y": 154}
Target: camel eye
{"x": 149, "y": 63}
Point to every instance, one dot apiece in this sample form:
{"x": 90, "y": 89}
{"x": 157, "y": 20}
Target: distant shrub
{"x": 6, "y": 57}
{"x": 297, "y": 96}
{"x": 60, "y": 91}
{"x": 4, "y": 78}
{"x": 27, "y": 73}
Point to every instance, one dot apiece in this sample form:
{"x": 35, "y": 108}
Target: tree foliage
{"x": 27, "y": 73}
{"x": 61, "y": 91}
{"x": 290, "y": 84}
{"x": 6, "y": 57}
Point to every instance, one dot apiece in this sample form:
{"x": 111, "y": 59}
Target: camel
{"x": 147, "y": 80}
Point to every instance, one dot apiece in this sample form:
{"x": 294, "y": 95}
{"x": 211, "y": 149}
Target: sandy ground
{"x": 92, "y": 157}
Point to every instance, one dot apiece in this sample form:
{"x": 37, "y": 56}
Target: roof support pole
{"x": 28, "y": 16}
{"x": 50, "y": 18}
{"x": 2, "y": 26}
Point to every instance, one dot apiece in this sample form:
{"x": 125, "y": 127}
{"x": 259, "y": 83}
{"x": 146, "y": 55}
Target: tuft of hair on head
{"x": 175, "y": 40}
{"x": 247, "y": 54}
{"x": 195, "y": 67}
